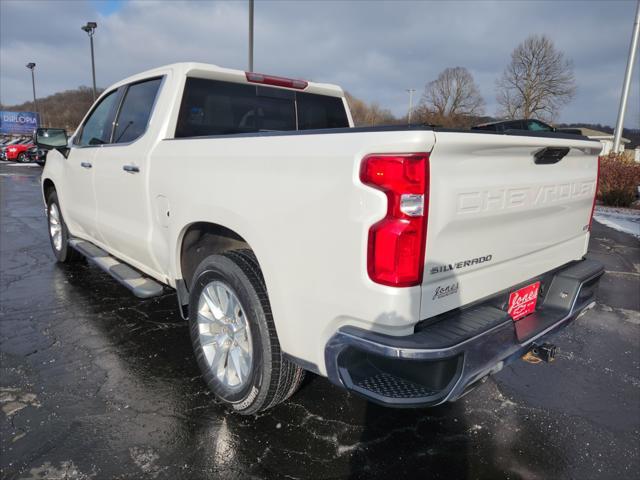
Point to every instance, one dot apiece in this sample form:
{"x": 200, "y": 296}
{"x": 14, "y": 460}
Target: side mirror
{"x": 52, "y": 138}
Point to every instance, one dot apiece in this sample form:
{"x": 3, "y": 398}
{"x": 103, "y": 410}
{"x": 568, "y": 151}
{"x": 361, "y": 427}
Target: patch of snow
{"x": 146, "y": 459}
{"x": 620, "y": 219}
{"x": 65, "y": 471}
{"x": 13, "y": 400}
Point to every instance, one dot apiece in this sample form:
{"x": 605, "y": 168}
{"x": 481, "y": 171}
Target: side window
{"x": 135, "y": 110}
{"x": 97, "y": 129}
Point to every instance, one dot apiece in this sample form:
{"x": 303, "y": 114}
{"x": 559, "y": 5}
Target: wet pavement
{"x": 95, "y": 383}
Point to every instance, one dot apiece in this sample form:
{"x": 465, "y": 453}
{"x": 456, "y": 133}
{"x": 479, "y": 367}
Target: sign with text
{"x": 18, "y": 123}
{"x": 523, "y": 302}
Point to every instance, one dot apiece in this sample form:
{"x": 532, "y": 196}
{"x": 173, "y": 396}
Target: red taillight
{"x": 277, "y": 81}
{"x": 595, "y": 195}
{"x": 396, "y": 243}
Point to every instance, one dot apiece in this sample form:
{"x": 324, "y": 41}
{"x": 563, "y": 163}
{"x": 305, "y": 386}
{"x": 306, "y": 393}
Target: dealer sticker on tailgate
{"x": 523, "y": 302}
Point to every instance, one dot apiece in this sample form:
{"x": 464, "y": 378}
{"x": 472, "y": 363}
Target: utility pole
{"x": 251, "y": 35}
{"x": 90, "y": 28}
{"x": 31, "y": 66}
{"x": 633, "y": 49}
{"x": 410, "y": 91}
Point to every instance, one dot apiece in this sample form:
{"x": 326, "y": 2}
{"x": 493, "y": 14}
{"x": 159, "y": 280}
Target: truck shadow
{"x": 413, "y": 442}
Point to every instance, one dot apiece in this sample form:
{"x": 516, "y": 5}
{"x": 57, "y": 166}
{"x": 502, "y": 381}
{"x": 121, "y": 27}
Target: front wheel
{"x": 58, "y": 233}
{"x": 22, "y": 158}
{"x": 234, "y": 337}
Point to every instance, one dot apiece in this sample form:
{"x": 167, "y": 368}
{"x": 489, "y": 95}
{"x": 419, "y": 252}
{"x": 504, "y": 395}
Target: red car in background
{"x": 17, "y": 151}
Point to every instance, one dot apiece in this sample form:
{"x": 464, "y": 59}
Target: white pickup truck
{"x": 405, "y": 263}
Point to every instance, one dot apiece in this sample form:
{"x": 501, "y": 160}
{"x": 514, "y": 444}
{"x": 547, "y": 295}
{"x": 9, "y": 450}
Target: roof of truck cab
{"x": 214, "y": 72}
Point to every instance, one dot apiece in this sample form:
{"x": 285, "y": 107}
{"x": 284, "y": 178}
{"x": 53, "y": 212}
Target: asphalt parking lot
{"x": 95, "y": 383}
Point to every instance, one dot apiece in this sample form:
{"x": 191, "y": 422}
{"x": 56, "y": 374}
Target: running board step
{"x": 141, "y": 286}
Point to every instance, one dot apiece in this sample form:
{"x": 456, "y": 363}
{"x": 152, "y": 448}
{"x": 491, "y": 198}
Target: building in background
{"x": 603, "y": 137}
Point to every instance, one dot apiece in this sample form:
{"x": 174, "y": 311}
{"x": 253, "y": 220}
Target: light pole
{"x": 31, "y": 66}
{"x": 90, "y": 28}
{"x": 410, "y": 92}
{"x": 633, "y": 48}
{"x": 251, "y": 35}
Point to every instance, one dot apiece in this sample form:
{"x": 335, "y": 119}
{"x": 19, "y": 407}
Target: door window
{"x": 97, "y": 129}
{"x": 135, "y": 110}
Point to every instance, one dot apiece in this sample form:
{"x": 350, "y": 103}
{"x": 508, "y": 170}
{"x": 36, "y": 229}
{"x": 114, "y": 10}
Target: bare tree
{"x": 537, "y": 82}
{"x": 451, "y": 99}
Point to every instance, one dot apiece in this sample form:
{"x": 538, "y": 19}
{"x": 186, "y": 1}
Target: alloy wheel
{"x": 224, "y": 334}
{"x": 55, "y": 227}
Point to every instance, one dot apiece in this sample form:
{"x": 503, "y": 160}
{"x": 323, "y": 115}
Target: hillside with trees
{"x": 64, "y": 109}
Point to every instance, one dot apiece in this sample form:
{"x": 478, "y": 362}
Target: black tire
{"x": 22, "y": 158}
{"x": 272, "y": 378}
{"x": 64, "y": 254}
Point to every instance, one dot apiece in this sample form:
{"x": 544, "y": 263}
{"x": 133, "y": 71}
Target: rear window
{"x": 213, "y": 107}
{"x": 319, "y": 111}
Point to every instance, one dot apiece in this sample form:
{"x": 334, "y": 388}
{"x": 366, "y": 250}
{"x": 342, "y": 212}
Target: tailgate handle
{"x": 550, "y": 155}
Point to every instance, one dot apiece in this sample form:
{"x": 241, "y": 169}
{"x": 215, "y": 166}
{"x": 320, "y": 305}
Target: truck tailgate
{"x": 497, "y": 217}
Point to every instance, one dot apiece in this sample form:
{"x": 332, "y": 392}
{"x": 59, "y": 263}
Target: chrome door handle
{"x": 131, "y": 168}
{"x": 86, "y": 165}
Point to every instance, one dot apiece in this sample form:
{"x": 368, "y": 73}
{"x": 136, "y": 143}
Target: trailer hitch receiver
{"x": 541, "y": 353}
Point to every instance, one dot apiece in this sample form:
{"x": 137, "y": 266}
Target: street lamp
{"x": 633, "y": 48}
{"x": 410, "y": 92}
{"x": 90, "y": 28}
{"x": 251, "y": 35}
{"x": 31, "y": 66}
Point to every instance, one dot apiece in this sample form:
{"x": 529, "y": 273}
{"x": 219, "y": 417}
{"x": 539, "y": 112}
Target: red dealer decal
{"x": 523, "y": 302}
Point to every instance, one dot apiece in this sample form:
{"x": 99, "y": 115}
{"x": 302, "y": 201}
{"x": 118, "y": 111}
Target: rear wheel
{"x": 58, "y": 233}
{"x": 22, "y": 158}
{"x": 234, "y": 337}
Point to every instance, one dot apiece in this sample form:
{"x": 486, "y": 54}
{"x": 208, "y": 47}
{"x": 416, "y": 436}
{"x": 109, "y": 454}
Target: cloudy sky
{"x": 374, "y": 49}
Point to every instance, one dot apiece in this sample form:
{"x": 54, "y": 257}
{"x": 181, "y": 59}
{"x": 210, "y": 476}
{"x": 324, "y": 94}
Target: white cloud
{"x": 374, "y": 49}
